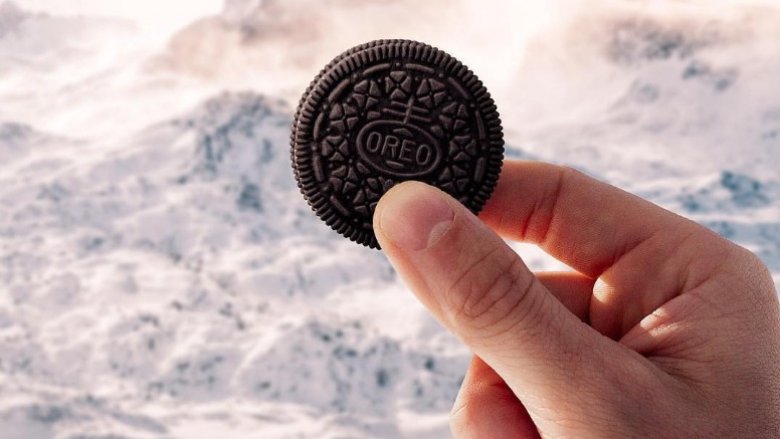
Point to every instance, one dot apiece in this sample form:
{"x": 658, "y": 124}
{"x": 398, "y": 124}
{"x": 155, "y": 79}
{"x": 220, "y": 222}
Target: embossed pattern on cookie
{"x": 389, "y": 111}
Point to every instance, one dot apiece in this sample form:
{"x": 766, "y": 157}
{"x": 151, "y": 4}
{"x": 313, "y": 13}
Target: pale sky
{"x": 157, "y": 15}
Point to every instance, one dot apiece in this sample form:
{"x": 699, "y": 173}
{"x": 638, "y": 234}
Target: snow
{"x": 162, "y": 276}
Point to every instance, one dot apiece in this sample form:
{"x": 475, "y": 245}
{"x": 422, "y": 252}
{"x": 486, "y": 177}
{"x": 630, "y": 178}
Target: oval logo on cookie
{"x": 399, "y": 149}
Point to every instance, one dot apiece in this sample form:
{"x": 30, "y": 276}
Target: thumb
{"x": 481, "y": 290}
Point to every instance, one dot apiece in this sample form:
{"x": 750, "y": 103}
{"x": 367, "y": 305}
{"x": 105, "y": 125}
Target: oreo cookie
{"x": 386, "y": 112}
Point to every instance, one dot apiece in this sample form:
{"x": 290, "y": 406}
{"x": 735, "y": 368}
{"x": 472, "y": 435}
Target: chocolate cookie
{"x": 389, "y": 111}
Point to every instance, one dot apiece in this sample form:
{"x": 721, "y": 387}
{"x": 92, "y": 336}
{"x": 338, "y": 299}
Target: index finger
{"x": 641, "y": 254}
{"x": 579, "y": 220}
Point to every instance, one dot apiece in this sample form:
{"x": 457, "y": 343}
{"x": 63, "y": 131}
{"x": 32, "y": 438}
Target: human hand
{"x": 666, "y": 330}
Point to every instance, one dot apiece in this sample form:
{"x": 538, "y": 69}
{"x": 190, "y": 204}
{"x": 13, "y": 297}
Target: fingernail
{"x": 415, "y": 216}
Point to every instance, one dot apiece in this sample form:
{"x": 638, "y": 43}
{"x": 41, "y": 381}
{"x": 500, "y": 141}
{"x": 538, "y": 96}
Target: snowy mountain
{"x": 688, "y": 117}
{"x": 163, "y": 277}
{"x": 184, "y": 270}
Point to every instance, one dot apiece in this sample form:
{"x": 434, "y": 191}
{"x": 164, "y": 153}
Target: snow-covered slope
{"x": 183, "y": 272}
{"x": 162, "y": 276}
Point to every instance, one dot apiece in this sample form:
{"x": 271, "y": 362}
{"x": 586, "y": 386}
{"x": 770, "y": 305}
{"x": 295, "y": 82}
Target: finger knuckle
{"x": 755, "y": 275}
{"x": 493, "y": 294}
{"x": 760, "y": 269}
{"x": 538, "y": 225}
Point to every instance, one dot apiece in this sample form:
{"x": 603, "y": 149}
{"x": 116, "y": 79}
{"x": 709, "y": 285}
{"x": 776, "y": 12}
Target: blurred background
{"x": 160, "y": 274}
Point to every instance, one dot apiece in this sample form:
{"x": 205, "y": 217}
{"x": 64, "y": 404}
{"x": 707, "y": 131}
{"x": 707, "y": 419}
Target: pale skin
{"x": 664, "y": 329}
